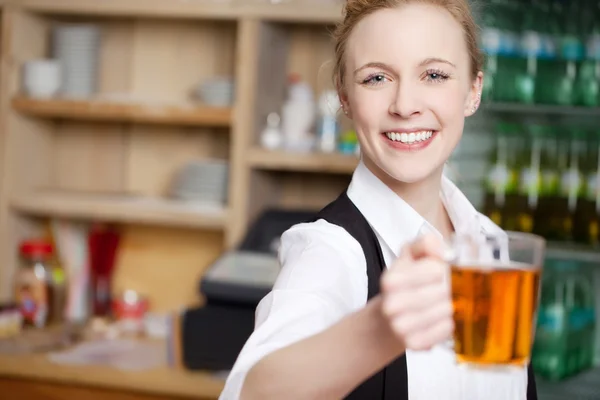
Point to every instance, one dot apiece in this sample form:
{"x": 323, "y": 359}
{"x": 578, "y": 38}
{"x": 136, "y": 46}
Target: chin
{"x": 409, "y": 167}
{"x": 408, "y": 173}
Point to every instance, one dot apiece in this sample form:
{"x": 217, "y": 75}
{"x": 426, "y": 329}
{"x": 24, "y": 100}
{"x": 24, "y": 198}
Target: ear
{"x": 474, "y": 98}
{"x": 345, "y": 105}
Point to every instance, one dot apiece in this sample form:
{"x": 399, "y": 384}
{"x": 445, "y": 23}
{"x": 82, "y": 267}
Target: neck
{"x": 423, "y": 196}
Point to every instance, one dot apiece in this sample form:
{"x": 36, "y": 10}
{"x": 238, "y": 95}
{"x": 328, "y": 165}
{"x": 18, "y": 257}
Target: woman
{"x": 407, "y": 73}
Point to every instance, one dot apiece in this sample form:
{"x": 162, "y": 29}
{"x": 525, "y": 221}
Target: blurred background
{"x": 154, "y": 150}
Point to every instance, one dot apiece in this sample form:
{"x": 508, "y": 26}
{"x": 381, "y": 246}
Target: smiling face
{"x": 408, "y": 87}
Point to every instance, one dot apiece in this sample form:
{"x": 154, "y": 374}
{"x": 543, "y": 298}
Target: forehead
{"x": 407, "y": 34}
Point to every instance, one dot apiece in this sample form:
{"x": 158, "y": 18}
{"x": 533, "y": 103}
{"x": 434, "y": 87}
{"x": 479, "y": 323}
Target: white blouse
{"x": 323, "y": 278}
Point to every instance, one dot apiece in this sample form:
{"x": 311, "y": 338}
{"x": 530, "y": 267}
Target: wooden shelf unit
{"x": 113, "y": 160}
{"x": 105, "y": 111}
{"x": 123, "y": 209}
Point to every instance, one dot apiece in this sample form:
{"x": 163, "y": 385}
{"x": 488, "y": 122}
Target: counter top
{"x": 158, "y": 381}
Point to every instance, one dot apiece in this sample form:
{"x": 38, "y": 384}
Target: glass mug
{"x": 495, "y": 294}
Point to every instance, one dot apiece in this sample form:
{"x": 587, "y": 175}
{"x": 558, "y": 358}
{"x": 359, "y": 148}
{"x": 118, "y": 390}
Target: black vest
{"x": 392, "y": 381}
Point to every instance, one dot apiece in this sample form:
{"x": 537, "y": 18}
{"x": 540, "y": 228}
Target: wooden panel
{"x": 27, "y": 141}
{"x": 156, "y": 154}
{"x": 101, "y": 110}
{"x": 89, "y": 157}
{"x": 172, "y": 57}
{"x": 311, "y": 55}
{"x": 26, "y": 144}
{"x": 117, "y": 44}
{"x": 165, "y": 264}
{"x": 310, "y": 191}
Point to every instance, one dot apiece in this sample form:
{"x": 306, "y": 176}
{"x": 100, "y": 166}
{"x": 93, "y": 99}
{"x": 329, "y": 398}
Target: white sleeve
{"x": 323, "y": 278}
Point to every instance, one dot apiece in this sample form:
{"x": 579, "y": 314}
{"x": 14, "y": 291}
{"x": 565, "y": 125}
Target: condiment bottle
{"x": 38, "y": 293}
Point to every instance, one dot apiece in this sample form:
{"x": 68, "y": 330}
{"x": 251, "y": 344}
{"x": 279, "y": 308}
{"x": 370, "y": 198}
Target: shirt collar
{"x": 394, "y": 220}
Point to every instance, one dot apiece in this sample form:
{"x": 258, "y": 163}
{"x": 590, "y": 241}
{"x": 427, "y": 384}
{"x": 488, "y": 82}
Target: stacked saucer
{"x": 218, "y": 92}
{"x": 202, "y": 181}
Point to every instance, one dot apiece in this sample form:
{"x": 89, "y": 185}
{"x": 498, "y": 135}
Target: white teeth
{"x": 409, "y": 137}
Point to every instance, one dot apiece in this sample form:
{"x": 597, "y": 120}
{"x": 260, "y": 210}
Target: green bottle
{"x": 551, "y": 336}
{"x": 546, "y": 222}
{"x": 501, "y": 182}
{"x": 564, "y": 340}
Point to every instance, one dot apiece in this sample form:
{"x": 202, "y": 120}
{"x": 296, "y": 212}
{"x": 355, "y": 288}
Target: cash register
{"x": 213, "y": 335}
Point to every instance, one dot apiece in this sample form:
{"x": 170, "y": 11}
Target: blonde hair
{"x": 356, "y": 10}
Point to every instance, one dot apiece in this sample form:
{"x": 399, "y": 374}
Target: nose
{"x": 405, "y": 103}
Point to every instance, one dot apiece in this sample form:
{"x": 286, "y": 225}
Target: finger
{"x": 422, "y": 320}
{"x": 415, "y": 300}
{"x": 416, "y": 274}
{"x": 437, "y": 334}
{"x": 428, "y": 245}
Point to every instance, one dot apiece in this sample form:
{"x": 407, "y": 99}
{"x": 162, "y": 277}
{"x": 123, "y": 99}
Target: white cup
{"x": 42, "y": 78}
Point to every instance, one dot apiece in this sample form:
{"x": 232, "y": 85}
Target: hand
{"x": 416, "y": 295}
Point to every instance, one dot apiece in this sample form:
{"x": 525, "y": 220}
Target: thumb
{"x": 428, "y": 245}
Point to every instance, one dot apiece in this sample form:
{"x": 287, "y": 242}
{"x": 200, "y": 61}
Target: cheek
{"x": 449, "y": 105}
{"x": 367, "y": 107}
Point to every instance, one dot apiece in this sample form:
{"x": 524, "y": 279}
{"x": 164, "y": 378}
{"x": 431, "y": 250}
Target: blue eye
{"x": 437, "y": 76}
{"x": 375, "y": 79}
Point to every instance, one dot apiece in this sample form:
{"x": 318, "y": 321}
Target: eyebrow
{"x": 372, "y": 65}
{"x": 433, "y": 60}
{"x": 427, "y": 61}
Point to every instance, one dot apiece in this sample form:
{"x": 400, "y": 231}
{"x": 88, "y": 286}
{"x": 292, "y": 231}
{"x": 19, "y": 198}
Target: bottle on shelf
{"x": 564, "y": 339}
{"x": 586, "y": 228}
{"x": 572, "y": 183}
{"x": 572, "y": 41}
{"x": 593, "y": 38}
{"x": 271, "y": 137}
{"x": 588, "y": 82}
{"x": 501, "y": 183}
{"x": 552, "y": 211}
{"x": 39, "y": 286}
{"x": 328, "y": 127}
{"x": 298, "y": 116}
{"x": 538, "y": 178}
{"x": 542, "y": 52}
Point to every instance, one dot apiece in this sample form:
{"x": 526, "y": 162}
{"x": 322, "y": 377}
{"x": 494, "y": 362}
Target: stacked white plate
{"x": 77, "y": 47}
{"x": 217, "y": 92}
{"x": 202, "y": 181}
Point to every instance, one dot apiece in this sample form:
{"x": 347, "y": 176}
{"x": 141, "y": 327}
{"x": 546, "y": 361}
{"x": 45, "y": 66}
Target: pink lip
{"x": 409, "y": 147}
{"x": 410, "y": 130}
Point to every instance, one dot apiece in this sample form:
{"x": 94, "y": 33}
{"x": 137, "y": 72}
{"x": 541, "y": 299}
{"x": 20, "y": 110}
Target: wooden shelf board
{"x": 302, "y": 162}
{"x": 235, "y": 9}
{"x": 126, "y": 209}
{"x": 96, "y": 110}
